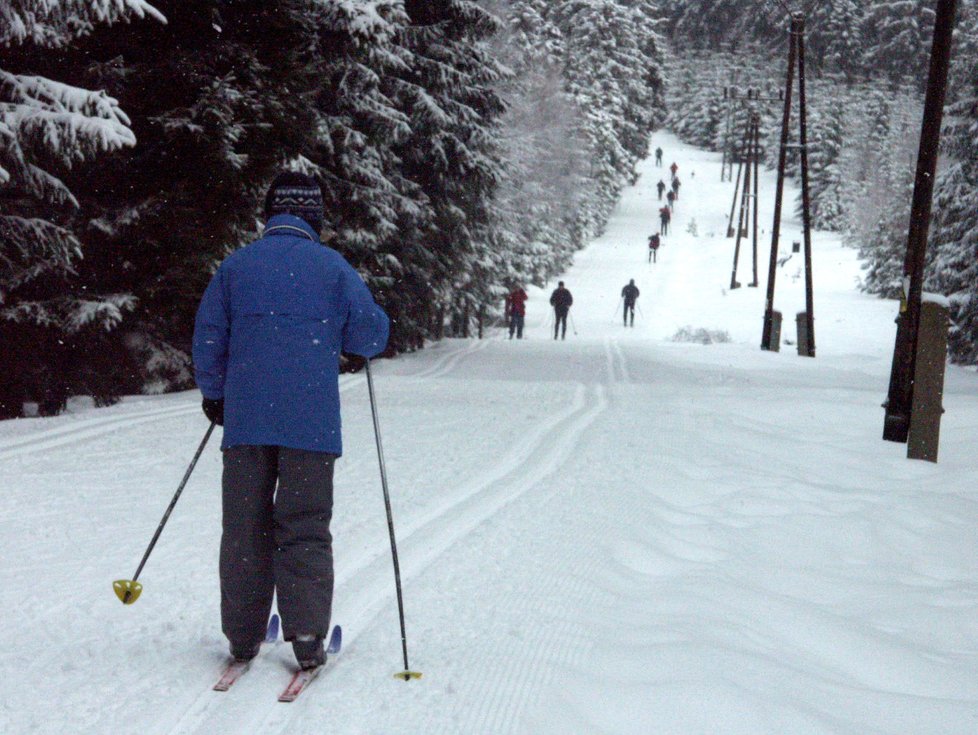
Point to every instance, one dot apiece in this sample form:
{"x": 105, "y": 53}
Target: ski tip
{"x": 271, "y": 633}
{"x": 335, "y": 640}
{"x": 408, "y": 675}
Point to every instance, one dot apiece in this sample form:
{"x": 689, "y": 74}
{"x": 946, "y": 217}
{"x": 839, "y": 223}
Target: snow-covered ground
{"x": 616, "y": 533}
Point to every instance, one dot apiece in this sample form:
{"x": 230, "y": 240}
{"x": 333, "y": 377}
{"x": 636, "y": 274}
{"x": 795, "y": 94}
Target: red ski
{"x": 236, "y": 669}
{"x": 231, "y": 674}
{"x": 302, "y": 678}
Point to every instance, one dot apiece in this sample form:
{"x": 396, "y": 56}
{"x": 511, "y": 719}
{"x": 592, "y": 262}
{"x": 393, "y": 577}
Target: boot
{"x": 309, "y": 652}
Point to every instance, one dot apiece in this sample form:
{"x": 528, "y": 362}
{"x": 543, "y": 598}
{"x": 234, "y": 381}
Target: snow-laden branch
{"x": 54, "y": 23}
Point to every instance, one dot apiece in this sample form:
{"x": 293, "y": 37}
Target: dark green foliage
{"x": 953, "y": 254}
{"x": 447, "y": 175}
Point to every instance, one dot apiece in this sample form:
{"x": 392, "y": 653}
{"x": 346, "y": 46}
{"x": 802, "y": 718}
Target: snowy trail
{"x": 614, "y": 533}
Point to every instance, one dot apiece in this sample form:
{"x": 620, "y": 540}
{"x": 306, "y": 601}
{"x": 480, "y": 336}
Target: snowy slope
{"x": 616, "y": 533}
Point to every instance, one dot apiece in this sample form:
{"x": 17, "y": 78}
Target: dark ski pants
{"x": 664, "y": 228}
{"x": 516, "y": 325}
{"x": 629, "y": 309}
{"x": 560, "y": 323}
{"x": 276, "y": 541}
{"x": 651, "y": 255}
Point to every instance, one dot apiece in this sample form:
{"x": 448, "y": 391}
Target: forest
{"x": 462, "y": 147}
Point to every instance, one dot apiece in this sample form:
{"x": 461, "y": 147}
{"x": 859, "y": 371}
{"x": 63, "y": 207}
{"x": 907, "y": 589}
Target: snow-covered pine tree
{"x": 827, "y": 180}
{"x": 543, "y": 154}
{"x": 46, "y": 127}
{"x": 373, "y": 209}
{"x": 723, "y": 24}
{"x": 219, "y": 98}
{"x": 607, "y": 63}
{"x": 953, "y": 253}
{"x": 452, "y": 155}
{"x": 835, "y": 42}
{"x": 881, "y": 209}
{"x": 898, "y": 34}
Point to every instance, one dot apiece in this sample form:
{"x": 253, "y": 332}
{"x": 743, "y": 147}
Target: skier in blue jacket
{"x": 267, "y": 342}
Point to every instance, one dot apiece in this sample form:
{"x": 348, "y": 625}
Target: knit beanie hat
{"x": 298, "y": 194}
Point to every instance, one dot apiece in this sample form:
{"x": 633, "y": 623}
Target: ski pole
{"x": 639, "y": 310}
{"x": 618, "y": 307}
{"x": 573, "y": 326}
{"x": 407, "y": 674}
{"x": 128, "y": 590}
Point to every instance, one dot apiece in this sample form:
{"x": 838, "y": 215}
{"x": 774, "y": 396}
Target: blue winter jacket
{"x": 268, "y": 337}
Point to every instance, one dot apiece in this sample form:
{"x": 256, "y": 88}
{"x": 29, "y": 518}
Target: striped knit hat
{"x": 297, "y": 194}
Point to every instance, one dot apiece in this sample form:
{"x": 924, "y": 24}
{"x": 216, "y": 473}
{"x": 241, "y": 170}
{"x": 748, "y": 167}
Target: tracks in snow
{"x": 446, "y": 363}
{"x": 100, "y": 425}
{"x": 364, "y": 583}
{"x": 87, "y": 428}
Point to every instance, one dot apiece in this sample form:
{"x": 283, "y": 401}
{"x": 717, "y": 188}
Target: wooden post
{"x": 806, "y": 217}
{"x": 928, "y": 392}
{"x": 740, "y": 171}
{"x": 757, "y": 175}
{"x": 899, "y": 402}
{"x": 766, "y": 335}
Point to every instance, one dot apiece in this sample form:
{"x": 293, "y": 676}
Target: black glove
{"x": 214, "y": 410}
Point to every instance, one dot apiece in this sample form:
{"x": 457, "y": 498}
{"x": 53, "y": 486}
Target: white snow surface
{"x": 616, "y": 533}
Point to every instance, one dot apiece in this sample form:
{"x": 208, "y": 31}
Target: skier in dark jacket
{"x": 654, "y": 242}
{"x": 658, "y": 157}
{"x": 561, "y": 300}
{"x": 630, "y": 293}
{"x": 661, "y": 186}
{"x": 664, "y": 218}
{"x": 671, "y": 198}
{"x": 676, "y": 183}
{"x": 516, "y": 311}
{"x": 266, "y": 348}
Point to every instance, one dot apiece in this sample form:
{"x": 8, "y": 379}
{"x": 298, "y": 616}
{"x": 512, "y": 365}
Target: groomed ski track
{"x": 614, "y": 533}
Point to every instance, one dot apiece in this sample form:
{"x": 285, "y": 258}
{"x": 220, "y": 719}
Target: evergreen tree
{"x": 883, "y": 204}
{"x": 220, "y": 98}
{"x": 835, "y": 40}
{"x": 46, "y": 127}
{"x": 827, "y": 179}
{"x": 898, "y": 34}
{"x": 544, "y": 172}
{"x": 612, "y": 73}
{"x": 953, "y": 252}
{"x": 452, "y": 156}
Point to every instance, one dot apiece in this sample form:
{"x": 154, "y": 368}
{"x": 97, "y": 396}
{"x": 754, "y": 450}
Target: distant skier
{"x": 665, "y": 216}
{"x": 266, "y": 345}
{"x": 671, "y": 198}
{"x": 676, "y": 183}
{"x": 561, "y": 300}
{"x": 658, "y": 157}
{"x": 654, "y": 242}
{"x": 661, "y": 186}
{"x": 674, "y": 168}
{"x": 630, "y": 294}
{"x": 516, "y": 311}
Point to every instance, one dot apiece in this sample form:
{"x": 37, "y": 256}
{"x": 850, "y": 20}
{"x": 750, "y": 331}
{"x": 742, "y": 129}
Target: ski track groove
{"x": 86, "y": 429}
{"x": 422, "y": 540}
{"x": 623, "y": 372}
{"x": 96, "y": 428}
{"x": 517, "y": 687}
{"x": 428, "y": 540}
{"x": 448, "y": 362}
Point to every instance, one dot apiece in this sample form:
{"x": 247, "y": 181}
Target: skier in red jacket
{"x": 516, "y": 311}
